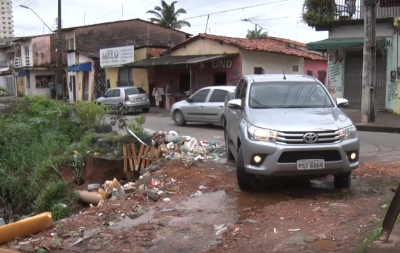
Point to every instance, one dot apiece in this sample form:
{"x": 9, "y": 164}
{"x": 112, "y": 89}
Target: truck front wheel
{"x": 246, "y": 181}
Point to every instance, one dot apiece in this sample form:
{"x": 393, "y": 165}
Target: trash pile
{"x": 187, "y": 148}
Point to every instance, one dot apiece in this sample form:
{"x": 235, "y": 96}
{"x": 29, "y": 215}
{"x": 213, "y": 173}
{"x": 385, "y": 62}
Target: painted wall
{"x": 314, "y": 67}
{"x": 41, "y": 51}
{"x": 357, "y": 31}
{"x": 32, "y": 90}
{"x": 140, "y": 76}
{"x": 392, "y": 92}
{"x": 336, "y": 72}
{"x": 205, "y": 46}
{"x": 202, "y": 74}
{"x": 79, "y": 79}
{"x": 271, "y": 63}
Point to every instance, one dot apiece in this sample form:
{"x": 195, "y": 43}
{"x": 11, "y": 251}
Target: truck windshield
{"x": 289, "y": 95}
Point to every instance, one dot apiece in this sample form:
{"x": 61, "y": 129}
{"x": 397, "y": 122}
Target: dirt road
{"x": 200, "y": 209}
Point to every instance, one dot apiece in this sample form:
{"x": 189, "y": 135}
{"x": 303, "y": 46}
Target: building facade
{"x": 207, "y": 60}
{"x": 345, "y": 48}
{"x": 93, "y": 38}
{"x": 6, "y": 17}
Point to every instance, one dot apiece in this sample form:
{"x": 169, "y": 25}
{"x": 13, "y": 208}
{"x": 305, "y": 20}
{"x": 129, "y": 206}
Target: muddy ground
{"x": 287, "y": 216}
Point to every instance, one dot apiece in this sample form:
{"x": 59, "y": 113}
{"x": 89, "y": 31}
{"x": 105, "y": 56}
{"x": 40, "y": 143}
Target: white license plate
{"x": 311, "y": 164}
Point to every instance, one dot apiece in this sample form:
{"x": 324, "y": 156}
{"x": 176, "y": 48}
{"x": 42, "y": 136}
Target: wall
{"x": 79, "y": 79}
{"x": 140, "y": 76}
{"x": 357, "y": 31}
{"x": 205, "y": 46}
{"x": 112, "y": 75}
{"x": 315, "y": 66}
{"x": 392, "y": 93}
{"x": 271, "y": 63}
{"x": 32, "y": 90}
{"x": 202, "y": 74}
{"x": 113, "y": 34}
{"x": 335, "y": 73}
{"x": 41, "y": 51}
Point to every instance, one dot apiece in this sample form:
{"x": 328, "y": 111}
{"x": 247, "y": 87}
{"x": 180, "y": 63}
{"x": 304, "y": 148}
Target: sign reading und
{"x": 116, "y": 56}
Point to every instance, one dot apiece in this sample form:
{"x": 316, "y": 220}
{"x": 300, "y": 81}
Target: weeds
{"x": 37, "y": 136}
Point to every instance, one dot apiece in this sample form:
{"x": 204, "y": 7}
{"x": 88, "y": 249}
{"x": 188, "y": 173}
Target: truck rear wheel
{"x": 246, "y": 181}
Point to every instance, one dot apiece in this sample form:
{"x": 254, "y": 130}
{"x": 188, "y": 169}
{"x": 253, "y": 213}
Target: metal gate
{"x": 353, "y": 79}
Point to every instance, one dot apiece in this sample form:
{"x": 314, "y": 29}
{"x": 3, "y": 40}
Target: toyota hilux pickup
{"x": 288, "y": 125}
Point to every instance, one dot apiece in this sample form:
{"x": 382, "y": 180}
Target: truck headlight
{"x": 259, "y": 134}
{"x": 348, "y": 133}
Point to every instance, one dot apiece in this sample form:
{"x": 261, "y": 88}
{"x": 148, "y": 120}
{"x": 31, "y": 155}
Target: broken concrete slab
{"x": 387, "y": 247}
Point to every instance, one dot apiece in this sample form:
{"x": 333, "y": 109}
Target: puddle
{"x": 195, "y": 231}
{"x": 324, "y": 245}
{"x": 128, "y": 222}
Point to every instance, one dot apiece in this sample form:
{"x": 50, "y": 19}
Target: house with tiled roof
{"x": 206, "y": 60}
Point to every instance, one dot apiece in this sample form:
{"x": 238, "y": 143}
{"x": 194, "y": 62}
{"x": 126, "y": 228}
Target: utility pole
{"x": 369, "y": 63}
{"x": 208, "y": 17}
{"x": 59, "y": 52}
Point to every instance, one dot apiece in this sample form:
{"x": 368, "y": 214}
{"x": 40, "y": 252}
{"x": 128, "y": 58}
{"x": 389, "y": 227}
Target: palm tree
{"x": 256, "y": 33}
{"x": 166, "y": 15}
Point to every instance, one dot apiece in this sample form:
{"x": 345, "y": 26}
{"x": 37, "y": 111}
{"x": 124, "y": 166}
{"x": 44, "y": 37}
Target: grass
{"x": 376, "y": 232}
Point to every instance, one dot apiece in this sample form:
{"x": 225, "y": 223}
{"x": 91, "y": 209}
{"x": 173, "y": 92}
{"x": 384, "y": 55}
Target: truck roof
{"x": 280, "y": 77}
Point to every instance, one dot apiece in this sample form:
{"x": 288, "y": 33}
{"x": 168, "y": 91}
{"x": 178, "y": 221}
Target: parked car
{"x": 5, "y": 98}
{"x": 131, "y": 97}
{"x": 288, "y": 125}
{"x": 204, "y": 106}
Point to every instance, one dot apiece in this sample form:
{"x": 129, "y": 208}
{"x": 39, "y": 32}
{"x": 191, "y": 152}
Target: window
{"x": 117, "y": 93}
{"x": 309, "y": 73}
{"x": 218, "y": 96}
{"x": 295, "y": 68}
{"x": 43, "y": 81}
{"x": 134, "y": 91}
{"x": 280, "y": 94}
{"x": 258, "y": 70}
{"x": 110, "y": 93}
{"x": 200, "y": 97}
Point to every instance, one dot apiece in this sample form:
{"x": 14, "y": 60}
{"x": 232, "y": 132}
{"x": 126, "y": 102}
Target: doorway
{"x": 125, "y": 77}
{"x": 220, "y": 78}
{"x": 85, "y": 90}
{"x": 73, "y": 87}
{"x": 184, "y": 82}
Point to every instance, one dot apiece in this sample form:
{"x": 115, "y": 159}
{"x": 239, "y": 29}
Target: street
{"x": 375, "y": 147}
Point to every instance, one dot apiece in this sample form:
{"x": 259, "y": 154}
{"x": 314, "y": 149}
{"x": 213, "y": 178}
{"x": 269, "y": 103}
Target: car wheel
{"x": 229, "y": 154}
{"x": 179, "y": 119}
{"x": 146, "y": 110}
{"x": 246, "y": 181}
{"x": 342, "y": 181}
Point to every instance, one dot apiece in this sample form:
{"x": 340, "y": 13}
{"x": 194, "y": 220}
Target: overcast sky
{"x": 280, "y": 18}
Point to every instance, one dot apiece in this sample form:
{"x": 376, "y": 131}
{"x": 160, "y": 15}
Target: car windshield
{"x": 289, "y": 95}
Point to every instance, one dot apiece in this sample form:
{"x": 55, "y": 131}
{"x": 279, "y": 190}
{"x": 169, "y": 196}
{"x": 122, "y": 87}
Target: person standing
{"x": 51, "y": 88}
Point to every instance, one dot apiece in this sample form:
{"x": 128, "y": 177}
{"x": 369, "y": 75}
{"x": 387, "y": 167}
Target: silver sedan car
{"x": 132, "y": 98}
{"x": 204, "y": 106}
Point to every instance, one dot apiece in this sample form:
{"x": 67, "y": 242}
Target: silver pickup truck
{"x": 288, "y": 125}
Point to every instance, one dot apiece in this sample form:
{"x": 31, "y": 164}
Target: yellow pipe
{"x": 26, "y": 227}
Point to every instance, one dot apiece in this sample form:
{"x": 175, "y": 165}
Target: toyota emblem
{"x": 310, "y": 138}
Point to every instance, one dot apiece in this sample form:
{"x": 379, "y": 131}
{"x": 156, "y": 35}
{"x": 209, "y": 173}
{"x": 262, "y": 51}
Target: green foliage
{"x": 167, "y": 15}
{"x": 137, "y": 126}
{"x": 319, "y": 12}
{"x": 257, "y": 33}
{"x": 37, "y": 136}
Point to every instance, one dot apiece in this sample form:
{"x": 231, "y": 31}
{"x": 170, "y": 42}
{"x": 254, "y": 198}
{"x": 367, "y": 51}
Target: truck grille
{"x": 293, "y": 156}
{"x": 324, "y": 137}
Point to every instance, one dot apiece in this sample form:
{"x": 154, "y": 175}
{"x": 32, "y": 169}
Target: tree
{"x": 256, "y": 33}
{"x": 166, "y": 15}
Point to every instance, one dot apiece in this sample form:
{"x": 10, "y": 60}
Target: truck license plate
{"x": 310, "y": 164}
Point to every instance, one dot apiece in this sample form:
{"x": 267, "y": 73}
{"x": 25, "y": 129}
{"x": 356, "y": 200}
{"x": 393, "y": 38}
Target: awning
{"x": 334, "y": 43}
{"x": 22, "y": 73}
{"x": 177, "y": 60}
{"x": 81, "y": 67}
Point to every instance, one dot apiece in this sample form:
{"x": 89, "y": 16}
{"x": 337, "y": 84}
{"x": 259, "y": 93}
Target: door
{"x": 125, "y": 77}
{"x": 215, "y": 105}
{"x": 237, "y": 115}
{"x": 114, "y": 99}
{"x": 194, "y": 111}
{"x": 220, "y": 78}
{"x": 73, "y": 83}
{"x": 85, "y": 89}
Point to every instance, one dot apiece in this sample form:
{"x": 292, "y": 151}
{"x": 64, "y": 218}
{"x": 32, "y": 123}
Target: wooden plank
{"x": 145, "y": 153}
{"x": 158, "y": 152}
{"x": 151, "y": 156}
{"x": 138, "y": 157}
{"x": 130, "y": 158}
{"x": 124, "y": 150}
{"x": 133, "y": 156}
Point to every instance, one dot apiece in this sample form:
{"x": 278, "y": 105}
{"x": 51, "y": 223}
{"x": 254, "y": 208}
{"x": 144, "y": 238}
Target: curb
{"x": 377, "y": 128}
